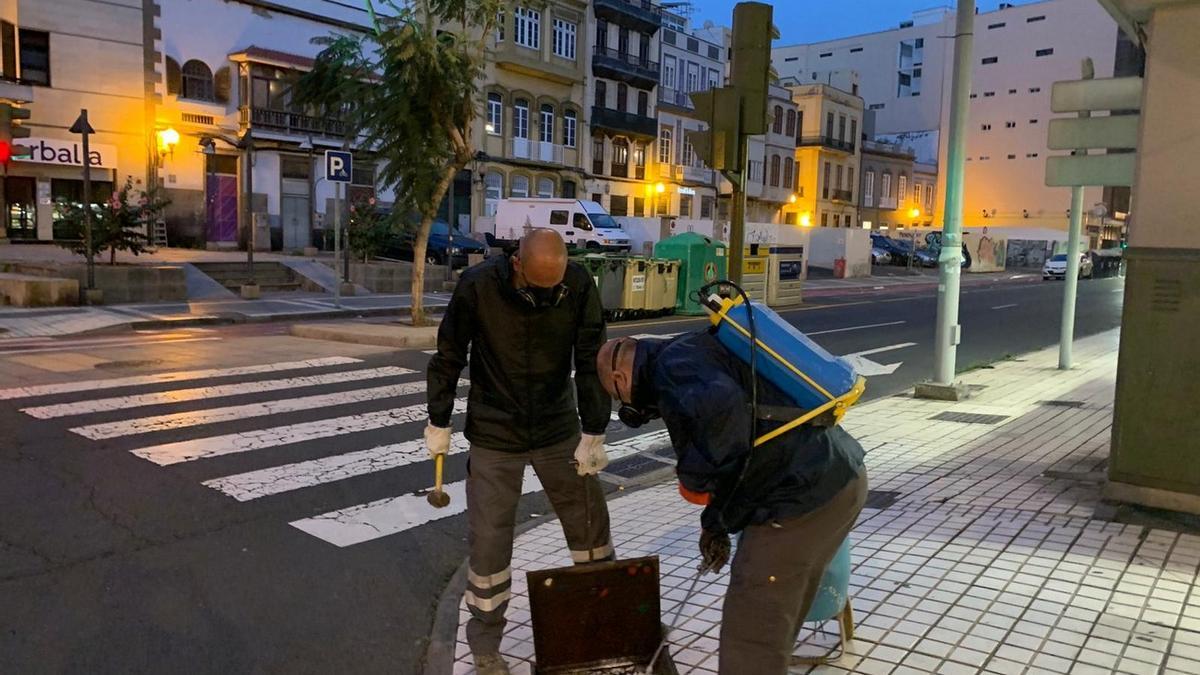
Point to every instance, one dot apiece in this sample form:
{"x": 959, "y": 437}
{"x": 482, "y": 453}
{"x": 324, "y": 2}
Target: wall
{"x": 829, "y": 244}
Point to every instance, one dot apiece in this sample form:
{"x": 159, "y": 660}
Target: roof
{"x": 272, "y": 57}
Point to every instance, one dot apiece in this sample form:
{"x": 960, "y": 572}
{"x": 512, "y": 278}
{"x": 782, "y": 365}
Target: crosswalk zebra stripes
{"x": 150, "y": 419}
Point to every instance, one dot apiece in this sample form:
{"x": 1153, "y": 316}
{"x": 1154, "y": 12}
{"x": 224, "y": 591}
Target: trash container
{"x": 701, "y": 260}
{"x": 633, "y": 296}
{"x": 654, "y": 286}
{"x": 669, "y": 289}
{"x": 785, "y": 276}
{"x": 754, "y": 272}
{"x": 609, "y": 275}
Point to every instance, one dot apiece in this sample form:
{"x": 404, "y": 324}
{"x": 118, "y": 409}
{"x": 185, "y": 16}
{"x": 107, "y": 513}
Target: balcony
{"x": 532, "y": 62}
{"x": 675, "y": 98}
{"x": 624, "y": 67}
{"x": 286, "y": 122}
{"x": 629, "y": 124}
{"x": 640, "y": 15}
{"x": 826, "y": 142}
{"x": 843, "y": 196}
{"x": 535, "y": 151}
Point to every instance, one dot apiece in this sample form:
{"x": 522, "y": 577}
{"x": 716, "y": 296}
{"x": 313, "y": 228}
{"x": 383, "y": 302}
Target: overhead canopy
{"x": 1132, "y": 15}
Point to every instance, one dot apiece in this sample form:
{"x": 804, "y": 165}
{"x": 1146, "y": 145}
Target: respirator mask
{"x": 631, "y": 414}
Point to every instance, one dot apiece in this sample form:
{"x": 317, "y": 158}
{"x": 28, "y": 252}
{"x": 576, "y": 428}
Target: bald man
{"x": 525, "y": 321}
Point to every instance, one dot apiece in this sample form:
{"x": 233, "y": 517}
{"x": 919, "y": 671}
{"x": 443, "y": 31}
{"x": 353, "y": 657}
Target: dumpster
{"x": 633, "y": 295}
{"x": 785, "y": 275}
{"x": 701, "y": 260}
{"x": 662, "y": 281}
{"x": 670, "y": 285}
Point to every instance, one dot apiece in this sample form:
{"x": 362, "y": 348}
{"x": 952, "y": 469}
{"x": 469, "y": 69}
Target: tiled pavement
{"x": 968, "y": 558}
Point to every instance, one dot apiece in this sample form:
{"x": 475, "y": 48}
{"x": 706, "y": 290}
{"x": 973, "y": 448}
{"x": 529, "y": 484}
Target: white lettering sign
{"x": 68, "y": 153}
{"x": 683, "y": 190}
{"x": 639, "y": 283}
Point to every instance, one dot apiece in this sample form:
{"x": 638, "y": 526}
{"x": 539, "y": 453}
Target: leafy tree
{"x": 118, "y": 224}
{"x": 368, "y": 229}
{"x": 410, "y": 89}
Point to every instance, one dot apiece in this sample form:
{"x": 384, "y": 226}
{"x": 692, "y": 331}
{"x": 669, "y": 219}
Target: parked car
{"x": 899, "y": 251}
{"x": 582, "y": 223}
{"x": 880, "y": 256}
{"x": 1056, "y": 267}
{"x": 440, "y": 248}
{"x": 926, "y": 258}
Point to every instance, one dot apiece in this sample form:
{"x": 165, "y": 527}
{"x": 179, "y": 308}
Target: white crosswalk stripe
{"x": 161, "y": 378}
{"x": 217, "y": 391}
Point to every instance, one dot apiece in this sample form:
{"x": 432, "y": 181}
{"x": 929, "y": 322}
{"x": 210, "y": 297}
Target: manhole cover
{"x": 137, "y": 363}
{"x": 1063, "y": 404}
{"x": 969, "y": 418}
{"x": 628, "y": 467}
{"x": 881, "y": 499}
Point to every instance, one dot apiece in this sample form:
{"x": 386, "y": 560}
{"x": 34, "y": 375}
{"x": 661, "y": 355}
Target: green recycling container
{"x": 701, "y": 260}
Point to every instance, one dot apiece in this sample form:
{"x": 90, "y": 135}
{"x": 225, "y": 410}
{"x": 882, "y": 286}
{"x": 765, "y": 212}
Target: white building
{"x": 904, "y": 76}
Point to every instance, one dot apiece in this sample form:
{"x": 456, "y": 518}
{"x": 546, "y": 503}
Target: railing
{"x": 606, "y": 57}
{"x": 826, "y": 141}
{"x": 843, "y": 196}
{"x": 642, "y": 10}
{"x": 538, "y": 151}
{"x": 291, "y": 122}
{"x": 616, "y": 120}
{"x": 698, "y": 174}
{"x": 680, "y": 99}
{"x": 890, "y": 148}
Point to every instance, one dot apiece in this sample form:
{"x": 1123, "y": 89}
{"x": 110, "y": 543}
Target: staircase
{"x": 271, "y": 276}
{"x": 158, "y": 234}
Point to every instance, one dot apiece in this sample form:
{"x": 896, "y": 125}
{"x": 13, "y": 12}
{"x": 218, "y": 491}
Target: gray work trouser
{"x": 493, "y": 489}
{"x": 774, "y": 581}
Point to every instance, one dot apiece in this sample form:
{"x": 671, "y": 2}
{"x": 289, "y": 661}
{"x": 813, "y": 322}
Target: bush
{"x": 118, "y": 224}
{"x": 368, "y": 229}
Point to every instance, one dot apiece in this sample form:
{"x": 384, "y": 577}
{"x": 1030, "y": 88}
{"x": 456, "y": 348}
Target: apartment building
{"x": 622, "y": 123}
{"x": 532, "y": 134}
{"x": 827, "y": 153}
{"x": 895, "y": 192}
{"x": 691, "y": 61}
{"x": 58, "y": 58}
{"x": 1019, "y": 52}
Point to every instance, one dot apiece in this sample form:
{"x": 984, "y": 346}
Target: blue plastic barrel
{"x": 835, "y": 587}
{"x": 825, "y": 370}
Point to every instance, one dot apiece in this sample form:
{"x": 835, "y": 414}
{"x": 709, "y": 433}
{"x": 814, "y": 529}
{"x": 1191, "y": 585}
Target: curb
{"x": 398, "y": 337}
{"x": 234, "y": 319}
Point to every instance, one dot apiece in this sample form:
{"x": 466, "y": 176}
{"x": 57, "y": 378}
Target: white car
{"x": 1056, "y": 267}
{"x": 581, "y": 223}
{"x": 880, "y": 256}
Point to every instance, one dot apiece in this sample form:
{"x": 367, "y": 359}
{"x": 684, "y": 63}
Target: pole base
{"x": 93, "y": 296}
{"x": 1155, "y": 498}
{"x": 251, "y": 292}
{"x": 347, "y": 289}
{"x": 955, "y": 391}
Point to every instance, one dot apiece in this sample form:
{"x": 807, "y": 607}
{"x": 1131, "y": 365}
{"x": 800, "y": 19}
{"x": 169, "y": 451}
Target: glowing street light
{"x": 914, "y": 213}
{"x": 806, "y": 219}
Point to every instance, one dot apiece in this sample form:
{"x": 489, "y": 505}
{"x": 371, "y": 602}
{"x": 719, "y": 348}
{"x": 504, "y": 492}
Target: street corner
{"x": 393, "y": 334}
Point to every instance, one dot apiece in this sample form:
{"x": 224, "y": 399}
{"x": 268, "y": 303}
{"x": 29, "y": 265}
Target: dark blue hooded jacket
{"x": 702, "y": 392}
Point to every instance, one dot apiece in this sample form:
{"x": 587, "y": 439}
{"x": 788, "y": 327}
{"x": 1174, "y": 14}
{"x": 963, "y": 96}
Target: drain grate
{"x": 969, "y": 418}
{"x": 1063, "y": 404}
{"x": 635, "y": 465}
{"x": 119, "y": 365}
{"x": 881, "y": 499}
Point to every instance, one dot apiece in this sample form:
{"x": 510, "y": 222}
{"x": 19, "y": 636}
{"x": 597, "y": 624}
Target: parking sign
{"x": 338, "y": 165}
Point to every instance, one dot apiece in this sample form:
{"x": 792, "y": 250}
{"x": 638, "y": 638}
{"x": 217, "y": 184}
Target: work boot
{"x": 490, "y": 664}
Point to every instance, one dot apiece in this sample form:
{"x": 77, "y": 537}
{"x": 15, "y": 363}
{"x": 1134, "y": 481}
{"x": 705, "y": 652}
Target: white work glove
{"x": 589, "y": 456}
{"x": 437, "y": 440}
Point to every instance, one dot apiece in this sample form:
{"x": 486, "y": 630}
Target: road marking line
{"x": 1006, "y": 306}
{"x": 391, "y": 515}
{"x": 145, "y": 425}
{"x": 218, "y": 391}
{"x": 654, "y": 336}
{"x": 138, "y": 343}
{"x": 850, "y": 328}
{"x": 880, "y": 350}
{"x": 163, "y": 378}
{"x": 288, "y": 477}
{"x": 214, "y": 446}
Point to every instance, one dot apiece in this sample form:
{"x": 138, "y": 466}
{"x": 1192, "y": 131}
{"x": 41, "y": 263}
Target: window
{"x": 643, "y": 108}
{"x": 1030, "y": 155}
{"x": 856, "y": 50}
{"x": 799, "y": 126}
{"x": 868, "y": 193}
{"x": 521, "y": 118}
{"x": 693, "y": 45}
{"x": 668, "y": 73}
{"x": 825, "y": 182}
{"x": 546, "y": 124}
{"x": 568, "y": 189}
{"x": 618, "y": 205}
{"x": 974, "y": 95}
{"x": 597, "y": 157}
{"x": 1033, "y": 121}
{"x": 879, "y": 106}
{"x": 791, "y": 123}
{"x": 639, "y": 161}
{"x": 693, "y": 77}
{"x": 837, "y": 182}
{"x": 928, "y": 197}
{"x": 493, "y": 186}
{"x": 824, "y": 219}
{"x": 714, "y": 78}
{"x": 825, "y": 55}
{"x": 994, "y": 26}
{"x": 520, "y": 186}
{"x": 989, "y": 94}
{"x": 689, "y": 153}
{"x": 791, "y": 58}
{"x": 559, "y": 217}
{"x": 849, "y": 186}
{"x": 620, "y": 160}
{"x": 363, "y": 173}
{"x": 495, "y": 114}
{"x": 685, "y": 207}
{"x": 787, "y": 181}
{"x": 601, "y": 94}
{"x": 984, "y": 158}
{"x": 545, "y": 188}
{"x": 837, "y": 220}
{"x": 1010, "y": 125}
{"x": 35, "y": 57}
{"x": 664, "y": 146}
{"x": 987, "y": 61}
{"x": 916, "y": 198}
{"x": 706, "y": 207}
{"x": 829, "y": 125}
{"x": 841, "y": 127}
{"x": 901, "y": 187}
{"x": 1033, "y": 19}
{"x": 622, "y": 97}
{"x": 569, "y": 126}
{"x": 1012, "y": 156}
{"x": 8, "y": 43}
{"x": 527, "y": 27}
{"x": 564, "y": 39}
{"x": 777, "y": 122}
{"x": 854, "y": 131}
{"x": 639, "y": 207}
{"x": 714, "y": 53}
{"x": 197, "y": 81}
{"x": 775, "y": 166}
{"x": 885, "y": 188}
{"x": 500, "y": 26}
{"x": 1044, "y": 52}
{"x": 985, "y": 127}
{"x": 1034, "y": 90}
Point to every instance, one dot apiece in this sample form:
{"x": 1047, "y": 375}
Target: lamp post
{"x": 307, "y": 144}
{"x": 245, "y": 145}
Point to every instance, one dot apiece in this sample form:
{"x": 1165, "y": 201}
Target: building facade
{"x": 892, "y": 196}
{"x": 55, "y": 67}
{"x": 827, "y": 153}
{"x": 1019, "y": 52}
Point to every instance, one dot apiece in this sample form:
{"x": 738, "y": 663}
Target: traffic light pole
{"x": 1071, "y": 278}
{"x": 737, "y": 218}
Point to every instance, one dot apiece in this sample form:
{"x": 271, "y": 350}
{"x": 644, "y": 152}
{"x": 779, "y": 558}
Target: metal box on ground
{"x": 785, "y": 276}
{"x": 701, "y": 260}
{"x": 754, "y": 272}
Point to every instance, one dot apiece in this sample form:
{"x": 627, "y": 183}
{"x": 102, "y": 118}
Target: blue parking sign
{"x": 338, "y": 164}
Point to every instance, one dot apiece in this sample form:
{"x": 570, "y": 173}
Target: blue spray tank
{"x": 817, "y": 381}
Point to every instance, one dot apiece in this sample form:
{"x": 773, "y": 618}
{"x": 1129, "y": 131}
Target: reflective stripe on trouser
{"x": 493, "y": 490}
{"x": 774, "y": 580}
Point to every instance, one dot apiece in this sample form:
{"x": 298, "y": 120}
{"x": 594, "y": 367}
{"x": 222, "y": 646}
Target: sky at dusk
{"x": 816, "y": 20}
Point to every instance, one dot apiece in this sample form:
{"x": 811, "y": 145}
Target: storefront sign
{"x": 68, "y": 153}
{"x": 684, "y": 190}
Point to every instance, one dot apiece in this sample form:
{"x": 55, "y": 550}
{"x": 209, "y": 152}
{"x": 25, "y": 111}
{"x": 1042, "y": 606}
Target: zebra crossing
{"x": 210, "y": 420}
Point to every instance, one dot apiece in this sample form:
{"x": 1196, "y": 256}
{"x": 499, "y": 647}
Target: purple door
{"x": 222, "y": 208}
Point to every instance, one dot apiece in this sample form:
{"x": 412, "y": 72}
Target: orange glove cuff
{"x": 697, "y": 498}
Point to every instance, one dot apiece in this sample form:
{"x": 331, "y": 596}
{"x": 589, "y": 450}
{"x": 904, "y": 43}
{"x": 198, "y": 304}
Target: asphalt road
{"x": 235, "y": 523}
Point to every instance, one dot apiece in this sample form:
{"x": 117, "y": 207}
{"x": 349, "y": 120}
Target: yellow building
{"x": 828, "y": 156}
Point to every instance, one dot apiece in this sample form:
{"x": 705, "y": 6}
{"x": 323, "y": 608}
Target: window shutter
{"x": 221, "y": 85}
{"x": 174, "y": 77}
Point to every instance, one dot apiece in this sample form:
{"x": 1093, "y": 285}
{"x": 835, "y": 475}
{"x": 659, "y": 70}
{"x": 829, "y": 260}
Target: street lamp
{"x": 806, "y": 219}
{"x": 167, "y": 140}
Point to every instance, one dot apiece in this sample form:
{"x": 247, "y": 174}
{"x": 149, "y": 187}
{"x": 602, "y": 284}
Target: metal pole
{"x": 337, "y": 242}
{"x": 87, "y": 202}
{"x": 250, "y": 238}
{"x": 1071, "y": 280}
{"x": 947, "y": 329}
{"x": 737, "y": 223}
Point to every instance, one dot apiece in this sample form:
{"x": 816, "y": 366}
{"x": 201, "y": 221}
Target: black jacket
{"x": 521, "y": 359}
{"x": 703, "y": 394}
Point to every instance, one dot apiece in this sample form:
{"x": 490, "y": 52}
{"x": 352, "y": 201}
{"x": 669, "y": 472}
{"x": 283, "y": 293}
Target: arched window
{"x": 570, "y": 124}
{"x": 787, "y": 173}
{"x": 774, "y": 170}
{"x": 777, "y": 124}
{"x": 791, "y": 123}
{"x": 493, "y": 192}
{"x": 546, "y": 124}
{"x": 520, "y": 186}
{"x": 664, "y": 146}
{"x": 521, "y": 118}
{"x": 197, "y": 81}
{"x": 545, "y": 188}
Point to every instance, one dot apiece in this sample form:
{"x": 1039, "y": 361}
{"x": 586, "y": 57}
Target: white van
{"x": 582, "y": 224}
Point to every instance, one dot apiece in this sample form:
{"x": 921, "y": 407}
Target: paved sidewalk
{"x": 968, "y": 558}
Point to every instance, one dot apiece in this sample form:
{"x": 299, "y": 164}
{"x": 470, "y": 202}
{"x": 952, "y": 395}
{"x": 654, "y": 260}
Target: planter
{"x": 119, "y": 284}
